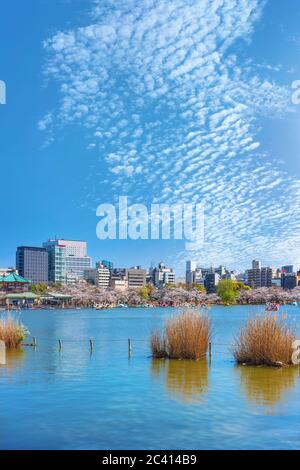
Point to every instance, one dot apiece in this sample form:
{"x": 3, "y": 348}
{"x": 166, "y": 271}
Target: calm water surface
{"x": 74, "y": 400}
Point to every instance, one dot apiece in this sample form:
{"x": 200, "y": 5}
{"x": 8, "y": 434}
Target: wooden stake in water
{"x": 129, "y": 346}
{"x": 209, "y": 350}
{"x": 34, "y": 342}
{"x": 59, "y": 345}
{"x": 91, "y": 345}
{"x": 2, "y": 353}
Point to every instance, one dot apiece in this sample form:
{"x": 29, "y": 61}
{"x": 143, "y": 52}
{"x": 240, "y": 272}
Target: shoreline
{"x": 111, "y": 307}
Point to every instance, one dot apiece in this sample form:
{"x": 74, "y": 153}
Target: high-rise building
{"x": 76, "y": 248}
{"x": 253, "y": 278}
{"x": 266, "y": 277}
{"x": 32, "y": 263}
{"x": 258, "y": 276}
{"x": 57, "y": 261}
{"x": 70, "y": 260}
{"x": 193, "y": 274}
{"x": 77, "y": 260}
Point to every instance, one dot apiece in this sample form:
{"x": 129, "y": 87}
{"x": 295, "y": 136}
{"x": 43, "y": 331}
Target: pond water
{"x": 73, "y": 399}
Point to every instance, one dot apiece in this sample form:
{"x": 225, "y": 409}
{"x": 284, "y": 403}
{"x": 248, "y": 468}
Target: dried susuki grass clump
{"x": 265, "y": 340}
{"x": 12, "y": 333}
{"x": 186, "y": 336}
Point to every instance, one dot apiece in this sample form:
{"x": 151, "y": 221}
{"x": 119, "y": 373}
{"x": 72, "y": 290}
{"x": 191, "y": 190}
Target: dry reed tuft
{"x": 265, "y": 340}
{"x": 186, "y": 336}
{"x": 12, "y": 333}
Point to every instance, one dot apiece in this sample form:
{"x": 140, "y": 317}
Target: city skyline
{"x": 77, "y": 260}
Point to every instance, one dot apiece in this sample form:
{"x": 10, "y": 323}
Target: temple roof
{"x": 14, "y": 277}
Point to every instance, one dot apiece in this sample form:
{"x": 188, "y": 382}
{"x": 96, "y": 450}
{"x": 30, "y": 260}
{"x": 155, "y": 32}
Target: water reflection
{"x": 14, "y": 359}
{"x": 185, "y": 380}
{"x": 267, "y": 386}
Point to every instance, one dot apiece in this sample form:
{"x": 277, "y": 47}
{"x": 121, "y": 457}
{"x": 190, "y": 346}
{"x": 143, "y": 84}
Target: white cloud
{"x": 173, "y": 115}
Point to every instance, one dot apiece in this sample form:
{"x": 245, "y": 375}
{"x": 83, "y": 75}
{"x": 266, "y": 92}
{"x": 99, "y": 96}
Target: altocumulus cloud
{"x": 173, "y": 115}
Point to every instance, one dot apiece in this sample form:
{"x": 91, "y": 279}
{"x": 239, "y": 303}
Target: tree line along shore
{"x": 85, "y": 295}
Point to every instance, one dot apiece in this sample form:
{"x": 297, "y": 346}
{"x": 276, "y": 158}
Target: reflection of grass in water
{"x": 267, "y": 386}
{"x": 14, "y": 359}
{"x": 186, "y": 380}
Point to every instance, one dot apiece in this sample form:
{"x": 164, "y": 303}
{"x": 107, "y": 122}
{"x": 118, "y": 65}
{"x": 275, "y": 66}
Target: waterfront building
{"x": 290, "y": 281}
{"x": 13, "y": 282}
{"x": 103, "y": 277}
{"x": 211, "y": 282}
{"x": 32, "y": 263}
{"x": 253, "y": 278}
{"x": 258, "y": 276}
{"x": 76, "y": 259}
{"x": 118, "y": 279}
{"x": 161, "y": 275}
{"x": 91, "y": 275}
{"x": 266, "y": 277}
{"x": 67, "y": 260}
{"x": 56, "y": 261}
{"x": 75, "y": 267}
{"x": 136, "y": 277}
{"x": 119, "y": 284}
{"x": 100, "y": 276}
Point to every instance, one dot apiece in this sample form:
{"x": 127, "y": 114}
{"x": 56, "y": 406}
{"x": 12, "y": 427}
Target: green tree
{"x": 144, "y": 292}
{"x": 228, "y": 291}
{"x": 40, "y": 288}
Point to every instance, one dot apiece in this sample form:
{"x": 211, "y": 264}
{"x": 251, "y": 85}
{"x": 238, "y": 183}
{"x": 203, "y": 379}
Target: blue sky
{"x": 168, "y": 101}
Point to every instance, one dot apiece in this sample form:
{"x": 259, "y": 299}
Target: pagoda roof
{"x": 14, "y": 277}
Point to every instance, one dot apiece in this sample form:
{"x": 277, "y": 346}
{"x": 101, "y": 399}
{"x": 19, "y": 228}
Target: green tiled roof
{"x": 14, "y": 277}
{"x": 24, "y": 295}
{"x": 57, "y": 295}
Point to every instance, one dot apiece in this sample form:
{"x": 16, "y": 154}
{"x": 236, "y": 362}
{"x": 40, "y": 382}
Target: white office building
{"x": 162, "y": 275}
{"x": 77, "y": 260}
{"x": 99, "y": 276}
